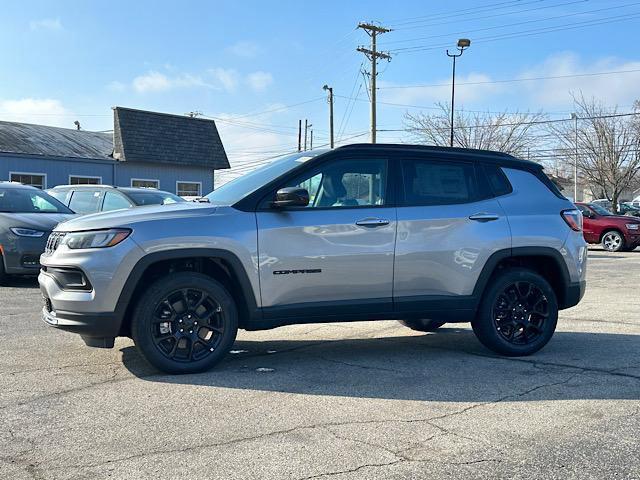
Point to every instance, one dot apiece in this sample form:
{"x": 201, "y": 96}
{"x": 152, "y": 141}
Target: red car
{"x": 615, "y": 232}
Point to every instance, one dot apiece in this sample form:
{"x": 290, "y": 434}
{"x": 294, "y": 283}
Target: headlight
{"x": 95, "y": 238}
{"x": 632, "y": 226}
{"x": 27, "y": 232}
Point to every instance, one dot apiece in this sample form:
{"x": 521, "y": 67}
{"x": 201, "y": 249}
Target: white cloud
{"x": 226, "y": 77}
{"x": 441, "y": 91}
{"x": 50, "y": 24}
{"x": 43, "y": 111}
{"x": 615, "y": 89}
{"x": 244, "y": 49}
{"x": 259, "y": 81}
{"x": 154, "y": 82}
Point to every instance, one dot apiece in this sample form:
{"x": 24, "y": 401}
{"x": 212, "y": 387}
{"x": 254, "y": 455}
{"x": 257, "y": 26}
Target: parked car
{"x": 27, "y": 216}
{"x": 85, "y": 199}
{"x": 629, "y": 210}
{"x": 425, "y": 235}
{"x": 615, "y": 232}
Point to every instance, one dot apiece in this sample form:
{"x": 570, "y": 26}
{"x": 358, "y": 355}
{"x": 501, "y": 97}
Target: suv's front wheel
{"x": 518, "y": 313}
{"x": 184, "y": 323}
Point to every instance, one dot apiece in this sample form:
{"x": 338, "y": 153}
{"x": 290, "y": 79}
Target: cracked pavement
{"x": 340, "y": 401}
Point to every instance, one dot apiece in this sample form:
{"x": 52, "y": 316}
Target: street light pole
{"x": 330, "y": 100}
{"x": 463, "y": 43}
{"x": 574, "y": 116}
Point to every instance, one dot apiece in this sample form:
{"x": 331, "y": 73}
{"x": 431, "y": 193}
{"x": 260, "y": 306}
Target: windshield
{"x": 154, "y": 197}
{"x": 25, "y": 200}
{"x": 600, "y": 210}
{"x": 240, "y": 187}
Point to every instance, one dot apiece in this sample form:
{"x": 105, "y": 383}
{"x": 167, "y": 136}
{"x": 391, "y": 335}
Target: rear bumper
{"x": 573, "y": 295}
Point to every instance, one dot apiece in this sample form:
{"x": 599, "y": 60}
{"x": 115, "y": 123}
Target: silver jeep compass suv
{"x": 425, "y": 235}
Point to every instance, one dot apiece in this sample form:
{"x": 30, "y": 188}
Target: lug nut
{"x": 182, "y": 329}
{"x": 190, "y": 331}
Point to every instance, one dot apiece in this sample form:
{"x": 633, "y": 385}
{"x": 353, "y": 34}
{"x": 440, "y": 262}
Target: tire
{"x": 422, "y": 324}
{"x": 3, "y": 275}
{"x": 612, "y": 241}
{"x": 518, "y": 313}
{"x": 200, "y": 323}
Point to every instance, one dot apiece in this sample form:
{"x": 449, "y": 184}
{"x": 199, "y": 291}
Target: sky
{"x": 257, "y": 67}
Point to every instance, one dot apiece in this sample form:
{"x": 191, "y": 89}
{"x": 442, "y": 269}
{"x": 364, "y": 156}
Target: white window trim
{"x": 44, "y": 187}
{"x": 189, "y": 181}
{"x": 85, "y": 176}
{"x": 144, "y": 180}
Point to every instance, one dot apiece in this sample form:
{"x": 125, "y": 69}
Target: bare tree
{"x": 607, "y": 145}
{"x": 503, "y": 132}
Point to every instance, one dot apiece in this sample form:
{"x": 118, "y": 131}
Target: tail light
{"x": 573, "y": 218}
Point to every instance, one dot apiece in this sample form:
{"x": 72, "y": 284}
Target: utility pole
{"x": 574, "y": 116}
{"x": 330, "y": 100}
{"x": 311, "y": 144}
{"x": 307, "y": 126}
{"x": 373, "y": 55}
{"x": 299, "y": 135}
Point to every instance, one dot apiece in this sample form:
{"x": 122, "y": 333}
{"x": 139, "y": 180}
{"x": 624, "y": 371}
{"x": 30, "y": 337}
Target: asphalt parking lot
{"x": 360, "y": 400}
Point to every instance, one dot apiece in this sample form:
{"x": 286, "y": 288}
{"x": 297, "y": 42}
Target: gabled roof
{"x": 28, "y": 139}
{"x": 142, "y": 136}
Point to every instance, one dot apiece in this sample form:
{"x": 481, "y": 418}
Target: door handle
{"x": 372, "y": 222}
{"x": 483, "y": 217}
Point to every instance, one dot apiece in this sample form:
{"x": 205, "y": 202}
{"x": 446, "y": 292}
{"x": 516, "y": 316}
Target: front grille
{"x": 53, "y": 242}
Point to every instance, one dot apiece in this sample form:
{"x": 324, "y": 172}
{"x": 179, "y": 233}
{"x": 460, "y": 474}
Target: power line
{"x": 535, "y": 122}
{"x": 467, "y": 32}
{"x": 448, "y": 14}
{"x": 537, "y": 31}
{"x": 457, "y": 20}
{"x": 512, "y": 80}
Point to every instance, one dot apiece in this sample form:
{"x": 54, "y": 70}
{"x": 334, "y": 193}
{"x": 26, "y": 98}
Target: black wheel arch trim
{"x": 494, "y": 260}
{"x": 125, "y": 299}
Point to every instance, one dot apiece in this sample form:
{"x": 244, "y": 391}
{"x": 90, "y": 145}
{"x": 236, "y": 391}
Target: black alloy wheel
{"x": 188, "y": 325}
{"x": 518, "y": 313}
{"x": 185, "y": 322}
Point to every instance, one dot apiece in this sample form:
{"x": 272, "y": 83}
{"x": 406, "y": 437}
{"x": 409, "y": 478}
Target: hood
{"x": 623, "y": 218}
{"x": 37, "y": 221}
{"x": 129, "y": 216}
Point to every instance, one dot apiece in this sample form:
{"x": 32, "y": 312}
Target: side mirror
{"x": 587, "y": 214}
{"x": 291, "y": 197}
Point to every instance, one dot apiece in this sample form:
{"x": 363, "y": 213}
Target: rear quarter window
{"x": 498, "y": 182}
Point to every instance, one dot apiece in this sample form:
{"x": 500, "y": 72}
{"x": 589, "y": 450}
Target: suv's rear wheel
{"x": 422, "y": 324}
{"x": 518, "y": 313}
{"x": 612, "y": 241}
{"x": 184, "y": 323}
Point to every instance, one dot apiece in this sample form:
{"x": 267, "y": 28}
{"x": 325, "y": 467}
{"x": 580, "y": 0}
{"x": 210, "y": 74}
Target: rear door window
{"x": 434, "y": 182}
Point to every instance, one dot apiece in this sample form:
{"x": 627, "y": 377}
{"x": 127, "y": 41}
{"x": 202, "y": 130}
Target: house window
{"x": 189, "y": 189}
{"x": 77, "y": 180}
{"x": 38, "y": 180}
{"x": 145, "y": 183}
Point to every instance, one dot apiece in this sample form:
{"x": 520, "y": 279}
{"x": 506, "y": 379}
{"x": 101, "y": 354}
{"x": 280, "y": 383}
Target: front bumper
{"x": 22, "y": 254}
{"x": 97, "y": 329}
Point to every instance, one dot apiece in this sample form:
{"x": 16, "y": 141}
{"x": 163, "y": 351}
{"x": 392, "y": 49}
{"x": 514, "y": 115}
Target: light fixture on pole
{"x": 463, "y": 44}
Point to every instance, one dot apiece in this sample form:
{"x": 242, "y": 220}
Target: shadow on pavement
{"x": 449, "y": 365}
{"x": 20, "y": 282}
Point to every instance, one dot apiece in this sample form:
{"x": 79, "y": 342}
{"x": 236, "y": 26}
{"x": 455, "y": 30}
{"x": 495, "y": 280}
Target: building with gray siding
{"x": 171, "y": 152}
